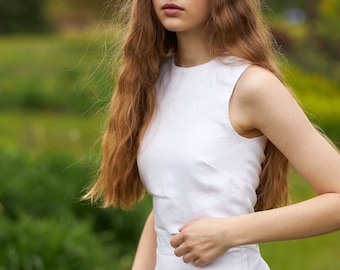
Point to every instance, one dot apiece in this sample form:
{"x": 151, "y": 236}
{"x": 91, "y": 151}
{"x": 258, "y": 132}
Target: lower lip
{"x": 172, "y": 11}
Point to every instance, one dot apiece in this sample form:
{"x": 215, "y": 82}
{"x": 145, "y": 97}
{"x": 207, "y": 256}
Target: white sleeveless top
{"x": 194, "y": 164}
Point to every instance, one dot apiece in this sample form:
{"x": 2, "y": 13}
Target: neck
{"x": 192, "y": 49}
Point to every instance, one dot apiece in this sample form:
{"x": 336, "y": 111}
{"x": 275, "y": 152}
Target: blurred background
{"x": 55, "y": 81}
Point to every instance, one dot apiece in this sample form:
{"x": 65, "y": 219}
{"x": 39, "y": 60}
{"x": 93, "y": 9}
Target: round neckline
{"x": 199, "y": 66}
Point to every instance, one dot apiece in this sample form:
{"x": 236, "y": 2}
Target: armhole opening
{"x": 243, "y": 136}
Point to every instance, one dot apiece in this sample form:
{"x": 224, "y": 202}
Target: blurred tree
{"x": 97, "y": 7}
{"x": 79, "y": 14}
{"x": 280, "y": 6}
{"x": 322, "y": 17}
{"x": 22, "y": 16}
{"x": 100, "y": 8}
{"x": 327, "y": 27}
{"x": 313, "y": 43}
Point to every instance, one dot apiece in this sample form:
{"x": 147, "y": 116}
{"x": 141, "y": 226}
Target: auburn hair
{"x": 235, "y": 27}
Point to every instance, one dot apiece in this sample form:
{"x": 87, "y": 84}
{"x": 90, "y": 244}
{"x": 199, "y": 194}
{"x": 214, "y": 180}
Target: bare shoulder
{"x": 257, "y": 93}
{"x": 266, "y": 105}
{"x": 263, "y": 99}
{"x": 258, "y": 83}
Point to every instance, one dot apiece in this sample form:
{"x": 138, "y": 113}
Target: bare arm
{"x": 145, "y": 258}
{"x": 273, "y": 111}
{"x": 265, "y": 105}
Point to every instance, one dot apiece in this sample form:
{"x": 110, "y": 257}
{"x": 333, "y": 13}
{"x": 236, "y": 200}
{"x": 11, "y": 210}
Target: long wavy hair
{"x": 236, "y": 27}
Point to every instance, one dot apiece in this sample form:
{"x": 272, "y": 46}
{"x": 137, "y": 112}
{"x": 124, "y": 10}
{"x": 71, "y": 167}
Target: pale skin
{"x": 260, "y": 104}
{"x": 146, "y": 253}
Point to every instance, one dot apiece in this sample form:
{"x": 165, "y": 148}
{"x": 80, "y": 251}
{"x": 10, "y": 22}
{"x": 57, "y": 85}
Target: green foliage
{"x": 279, "y": 5}
{"x": 49, "y": 243}
{"x": 320, "y": 99}
{"x": 312, "y": 44}
{"x": 327, "y": 25}
{"x": 38, "y": 180}
{"x": 45, "y": 163}
{"x": 55, "y": 73}
{"x": 22, "y": 16}
{"x": 43, "y": 224}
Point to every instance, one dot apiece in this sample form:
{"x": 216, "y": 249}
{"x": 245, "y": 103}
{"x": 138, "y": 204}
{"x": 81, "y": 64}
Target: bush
{"x": 39, "y": 186}
{"x": 50, "y": 243}
{"x": 320, "y": 99}
{"x": 43, "y": 224}
{"x": 22, "y": 16}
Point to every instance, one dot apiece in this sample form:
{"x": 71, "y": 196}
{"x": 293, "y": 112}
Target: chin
{"x": 173, "y": 27}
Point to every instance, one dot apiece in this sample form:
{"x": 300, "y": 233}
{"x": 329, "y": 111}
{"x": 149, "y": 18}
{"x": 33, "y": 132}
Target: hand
{"x": 201, "y": 241}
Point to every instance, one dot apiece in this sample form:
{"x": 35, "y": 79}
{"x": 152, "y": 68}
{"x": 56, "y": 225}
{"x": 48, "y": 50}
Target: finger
{"x": 189, "y": 257}
{"x": 199, "y": 262}
{"x": 176, "y": 241}
{"x": 182, "y": 250}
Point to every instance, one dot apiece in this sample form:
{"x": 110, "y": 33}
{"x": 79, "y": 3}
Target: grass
{"x": 36, "y": 132}
{"x": 48, "y": 86}
{"x": 317, "y": 253}
{"x": 65, "y": 73}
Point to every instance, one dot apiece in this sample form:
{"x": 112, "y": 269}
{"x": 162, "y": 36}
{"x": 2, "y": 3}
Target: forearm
{"x": 145, "y": 258}
{"x": 313, "y": 217}
{"x": 203, "y": 240}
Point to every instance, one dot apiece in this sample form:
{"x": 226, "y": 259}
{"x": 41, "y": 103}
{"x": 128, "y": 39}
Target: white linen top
{"x": 194, "y": 164}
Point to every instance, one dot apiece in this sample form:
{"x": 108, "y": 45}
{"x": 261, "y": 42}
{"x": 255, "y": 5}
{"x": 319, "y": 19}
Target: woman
{"x": 202, "y": 119}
